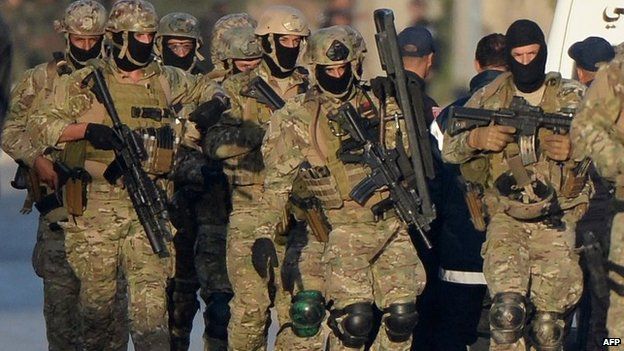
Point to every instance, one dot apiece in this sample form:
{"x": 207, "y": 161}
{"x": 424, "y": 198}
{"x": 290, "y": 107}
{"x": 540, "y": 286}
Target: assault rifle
{"x": 389, "y": 168}
{"x": 410, "y": 101}
{"x": 520, "y": 114}
{"x": 262, "y": 91}
{"x": 146, "y": 198}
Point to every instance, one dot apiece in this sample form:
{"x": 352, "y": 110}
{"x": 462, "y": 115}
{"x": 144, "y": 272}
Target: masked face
{"x": 526, "y": 55}
{"x": 138, "y": 52}
{"x": 82, "y": 48}
{"x": 336, "y": 80}
{"x": 283, "y": 59}
{"x": 179, "y": 52}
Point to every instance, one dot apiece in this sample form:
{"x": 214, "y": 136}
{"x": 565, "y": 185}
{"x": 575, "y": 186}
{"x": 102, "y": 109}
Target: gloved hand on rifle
{"x": 491, "y": 138}
{"x": 263, "y": 256}
{"x": 102, "y": 137}
{"x": 382, "y": 87}
{"x": 208, "y": 114}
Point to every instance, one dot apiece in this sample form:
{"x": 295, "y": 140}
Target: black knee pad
{"x": 217, "y": 315}
{"x": 355, "y": 326}
{"x": 400, "y": 321}
{"x": 547, "y": 331}
{"x": 507, "y": 317}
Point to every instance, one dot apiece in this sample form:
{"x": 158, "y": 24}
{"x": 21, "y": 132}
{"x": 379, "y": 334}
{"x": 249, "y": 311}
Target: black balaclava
{"x": 79, "y": 57}
{"x": 286, "y": 57}
{"x": 527, "y": 78}
{"x": 140, "y": 53}
{"x": 171, "y": 59}
{"x": 336, "y": 86}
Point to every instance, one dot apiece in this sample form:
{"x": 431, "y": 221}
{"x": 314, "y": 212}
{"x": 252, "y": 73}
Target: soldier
{"x": 106, "y": 236}
{"x": 359, "y": 269}
{"x": 250, "y": 251}
{"x": 529, "y": 255}
{"x": 83, "y": 27}
{"x": 596, "y": 132}
{"x": 593, "y": 229}
{"x": 218, "y": 45}
{"x": 199, "y": 208}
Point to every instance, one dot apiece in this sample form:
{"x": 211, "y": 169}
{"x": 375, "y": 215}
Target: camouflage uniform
{"x": 108, "y": 238}
{"x": 251, "y": 302}
{"x": 60, "y": 285}
{"x": 597, "y": 132}
{"x": 531, "y": 258}
{"x": 200, "y": 212}
{"x": 351, "y": 279}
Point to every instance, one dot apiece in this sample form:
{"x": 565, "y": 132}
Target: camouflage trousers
{"x": 253, "y": 295}
{"x": 61, "y": 290}
{"x": 302, "y": 269}
{"x": 396, "y": 276}
{"x": 534, "y": 260}
{"x": 615, "y": 316}
{"x": 106, "y": 240}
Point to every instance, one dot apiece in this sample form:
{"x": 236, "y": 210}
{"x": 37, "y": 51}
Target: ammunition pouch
{"x": 307, "y": 312}
{"x": 75, "y": 181}
{"x": 322, "y": 186}
{"x": 314, "y": 216}
{"x": 27, "y": 179}
{"x": 473, "y": 194}
{"x": 160, "y": 145}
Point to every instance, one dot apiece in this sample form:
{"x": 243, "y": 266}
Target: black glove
{"x": 263, "y": 256}
{"x": 208, "y": 114}
{"x": 102, "y": 137}
{"x": 382, "y": 87}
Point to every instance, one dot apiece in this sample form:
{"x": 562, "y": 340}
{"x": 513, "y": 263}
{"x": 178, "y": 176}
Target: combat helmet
{"x": 223, "y": 24}
{"x": 130, "y": 16}
{"x": 334, "y": 46}
{"x": 534, "y": 201}
{"x": 241, "y": 44}
{"x": 178, "y": 24}
{"x": 281, "y": 20}
{"x": 83, "y": 17}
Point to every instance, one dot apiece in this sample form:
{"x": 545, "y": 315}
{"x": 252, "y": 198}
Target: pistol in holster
{"x": 575, "y": 179}
{"x": 75, "y": 181}
{"x": 27, "y": 179}
{"x": 311, "y": 210}
{"x": 474, "y": 200}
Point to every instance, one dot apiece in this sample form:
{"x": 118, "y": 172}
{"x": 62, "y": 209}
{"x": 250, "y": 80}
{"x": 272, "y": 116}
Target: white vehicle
{"x": 576, "y": 20}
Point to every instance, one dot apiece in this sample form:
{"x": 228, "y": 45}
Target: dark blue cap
{"x": 589, "y": 52}
{"x": 416, "y": 41}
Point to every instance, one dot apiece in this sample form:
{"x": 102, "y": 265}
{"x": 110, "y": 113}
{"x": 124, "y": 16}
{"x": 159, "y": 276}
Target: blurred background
{"x": 456, "y": 24}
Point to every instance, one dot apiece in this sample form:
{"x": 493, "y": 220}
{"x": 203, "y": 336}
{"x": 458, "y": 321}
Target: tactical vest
{"x": 332, "y": 182}
{"x": 486, "y": 168}
{"x": 142, "y": 105}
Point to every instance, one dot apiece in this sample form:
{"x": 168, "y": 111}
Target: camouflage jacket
{"x": 244, "y": 167}
{"x": 598, "y": 129}
{"x": 485, "y": 167}
{"x": 31, "y": 92}
{"x": 300, "y": 132}
{"x": 159, "y": 88}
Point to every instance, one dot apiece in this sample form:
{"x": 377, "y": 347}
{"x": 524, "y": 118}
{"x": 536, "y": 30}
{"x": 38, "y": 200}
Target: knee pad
{"x": 217, "y": 315}
{"x": 307, "y": 312}
{"x": 355, "y": 326}
{"x": 400, "y": 321}
{"x": 507, "y": 317}
{"x": 547, "y": 331}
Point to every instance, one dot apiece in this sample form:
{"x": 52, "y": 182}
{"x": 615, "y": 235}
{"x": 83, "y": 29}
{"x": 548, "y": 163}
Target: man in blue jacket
{"x": 460, "y": 285}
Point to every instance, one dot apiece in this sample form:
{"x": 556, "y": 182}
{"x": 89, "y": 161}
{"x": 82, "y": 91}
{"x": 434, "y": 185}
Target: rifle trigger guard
{"x": 528, "y": 152}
